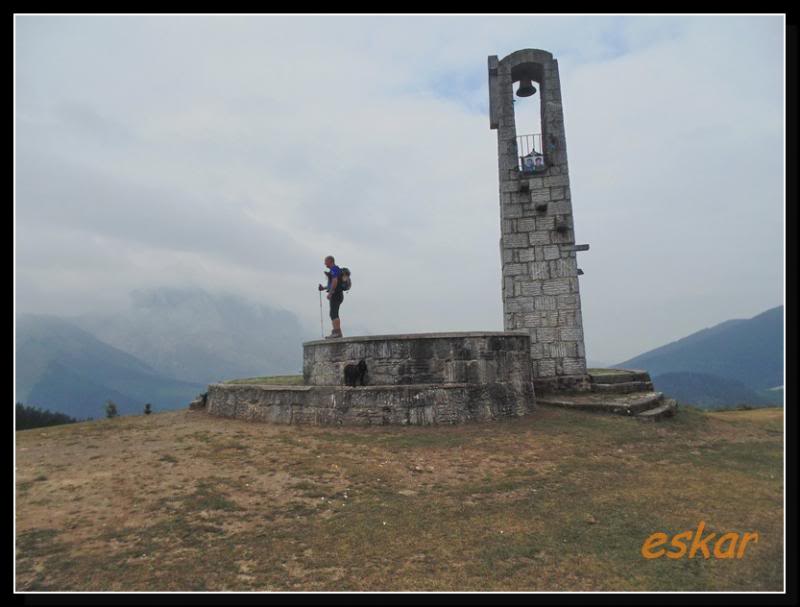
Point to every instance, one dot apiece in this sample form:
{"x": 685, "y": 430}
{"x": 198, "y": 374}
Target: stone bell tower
{"x": 539, "y": 254}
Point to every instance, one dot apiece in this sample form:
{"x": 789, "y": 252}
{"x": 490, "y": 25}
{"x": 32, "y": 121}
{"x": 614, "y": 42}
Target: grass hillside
{"x": 557, "y": 500}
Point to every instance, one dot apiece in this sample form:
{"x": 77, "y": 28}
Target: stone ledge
{"x": 475, "y": 357}
{"x": 413, "y": 336}
{"x": 282, "y": 387}
{"x": 623, "y": 387}
{"x": 419, "y": 404}
{"x": 666, "y": 410}
{"x": 623, "y": 404}
{"x": 562, "y": 383}
{"x": 295, "y": 388}
{"x": 618, "y": 376}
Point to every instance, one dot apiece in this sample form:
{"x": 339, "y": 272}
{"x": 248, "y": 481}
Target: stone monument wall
{"x": 540, "y": 287}
{"x": 421, "y": 358}
{"x": 424, "y": 378}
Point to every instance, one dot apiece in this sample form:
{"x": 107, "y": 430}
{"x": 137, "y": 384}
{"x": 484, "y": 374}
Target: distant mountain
{"x": 197, "y": 336}
{"x": 711, "y": 391}
{"x": 61, "y": 367}
{"x": 746, "y": 351}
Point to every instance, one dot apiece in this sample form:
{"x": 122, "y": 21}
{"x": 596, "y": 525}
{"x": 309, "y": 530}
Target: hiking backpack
{"x": 346, "y": 280}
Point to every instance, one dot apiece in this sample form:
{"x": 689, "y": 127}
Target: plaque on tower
{"x": 533, "y": 163}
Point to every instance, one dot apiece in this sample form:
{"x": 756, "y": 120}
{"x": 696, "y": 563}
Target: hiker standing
{"x": 335, "y": 291}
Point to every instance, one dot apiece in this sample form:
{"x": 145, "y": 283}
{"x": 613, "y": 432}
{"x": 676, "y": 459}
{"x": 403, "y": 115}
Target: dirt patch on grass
{"x": 558, "y": 500}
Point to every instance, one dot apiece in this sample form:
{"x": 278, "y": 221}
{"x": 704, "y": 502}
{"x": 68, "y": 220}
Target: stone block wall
{"x": 412, "y": 404}
{"x": 540, "y": 289}
{"x": 425, "y": 378}
{"x": 422, "y": 358}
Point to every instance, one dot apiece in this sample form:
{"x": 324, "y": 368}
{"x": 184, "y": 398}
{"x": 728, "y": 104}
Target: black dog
{"x": 354, "y": 373}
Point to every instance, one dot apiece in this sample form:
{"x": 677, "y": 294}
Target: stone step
{"x": 667, "y": 409}
{"x": 623, "y": 387}
{"x": 617, "y": 376}
{"x": 633, "y": 406}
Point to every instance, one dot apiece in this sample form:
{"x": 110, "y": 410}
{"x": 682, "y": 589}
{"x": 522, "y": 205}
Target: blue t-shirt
{"x": 335, "y": 272}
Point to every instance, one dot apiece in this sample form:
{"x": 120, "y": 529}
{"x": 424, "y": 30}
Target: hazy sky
{"x": 234, "y": 152}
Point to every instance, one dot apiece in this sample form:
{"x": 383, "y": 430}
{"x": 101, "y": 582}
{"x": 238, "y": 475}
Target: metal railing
{"x": 528, "y": 145}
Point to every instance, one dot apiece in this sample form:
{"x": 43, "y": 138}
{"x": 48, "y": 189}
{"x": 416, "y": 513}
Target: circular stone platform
{"x": 424, "y": 378}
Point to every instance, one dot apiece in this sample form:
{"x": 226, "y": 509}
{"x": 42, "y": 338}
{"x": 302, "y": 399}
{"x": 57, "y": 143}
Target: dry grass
{"x": 559, "y": 500}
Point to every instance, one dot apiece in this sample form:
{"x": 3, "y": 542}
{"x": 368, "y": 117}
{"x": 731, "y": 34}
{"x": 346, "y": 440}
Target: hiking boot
{"x": 334, "y": 335}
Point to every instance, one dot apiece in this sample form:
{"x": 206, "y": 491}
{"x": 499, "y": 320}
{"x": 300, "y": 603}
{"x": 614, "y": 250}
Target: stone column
{"x": 539, "y": 267}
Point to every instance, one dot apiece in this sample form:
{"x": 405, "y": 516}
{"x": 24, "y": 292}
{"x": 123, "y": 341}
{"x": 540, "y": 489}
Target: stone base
{"x": 620, "y": 381}
{"x": 621, "y": 391}
{"x": 475, "y": 357}
{"x": 646, "y": 406}
{"x": 414, "y": 404}
{"x": 562, "y": 383}
{"x": 596, "y": 380}
{"x": 423, "y": 378}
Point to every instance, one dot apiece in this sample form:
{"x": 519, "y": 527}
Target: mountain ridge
{"x": 749, "y": 351}
{"x": 198, "y": 336}
{"x": 67, "y": 369}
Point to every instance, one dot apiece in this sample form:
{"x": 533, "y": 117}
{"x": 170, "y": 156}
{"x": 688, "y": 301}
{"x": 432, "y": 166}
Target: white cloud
{"x": 235, "y": 152}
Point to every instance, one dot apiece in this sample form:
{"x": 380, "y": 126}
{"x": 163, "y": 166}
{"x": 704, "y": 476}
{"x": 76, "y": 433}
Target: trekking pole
{"x": 321, "y": 330}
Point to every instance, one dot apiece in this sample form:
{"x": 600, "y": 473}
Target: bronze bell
{"x": 526, "y": 88}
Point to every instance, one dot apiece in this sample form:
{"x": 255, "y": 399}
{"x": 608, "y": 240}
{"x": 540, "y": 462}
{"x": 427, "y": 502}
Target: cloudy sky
{"x": 234, "y": 152}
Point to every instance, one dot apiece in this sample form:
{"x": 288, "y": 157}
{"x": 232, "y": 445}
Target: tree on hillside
{"x": 111, "y": 409}
{"x": 33, "y": 417}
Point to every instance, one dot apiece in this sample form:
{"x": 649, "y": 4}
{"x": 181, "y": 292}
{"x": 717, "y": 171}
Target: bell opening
{"x": 526, "y": 88}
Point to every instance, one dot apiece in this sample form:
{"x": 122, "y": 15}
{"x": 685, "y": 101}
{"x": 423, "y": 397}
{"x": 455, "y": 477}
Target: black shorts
{"x": 336, "y": 300}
